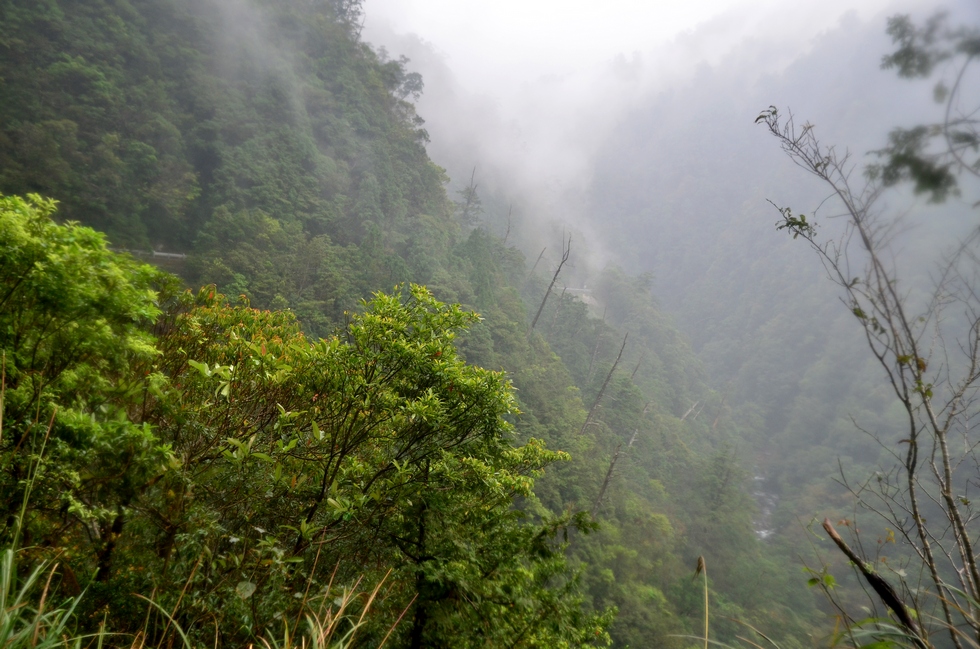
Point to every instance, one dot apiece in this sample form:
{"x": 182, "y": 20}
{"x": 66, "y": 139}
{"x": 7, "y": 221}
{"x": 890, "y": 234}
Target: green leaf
{"x": 200, "y": 367}
{"x": 245, "y": 589}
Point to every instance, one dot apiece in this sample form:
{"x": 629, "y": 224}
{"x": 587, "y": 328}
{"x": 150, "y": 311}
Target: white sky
{"x": 545, "y": 81}
{"x": 525, "y": 39}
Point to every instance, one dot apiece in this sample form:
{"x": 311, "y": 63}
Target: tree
{"x": 377, "y": 447}
{"x": 350, "y": 13}
{"x": 73, "y": 317}
{"x": 909, "y": 156}
{"x": 469, "y": 207}
{"x": 929, "y": 350}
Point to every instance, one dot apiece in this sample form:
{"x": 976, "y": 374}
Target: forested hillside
{"x": 760, "y": 313}
{"x": 211, "y": 466}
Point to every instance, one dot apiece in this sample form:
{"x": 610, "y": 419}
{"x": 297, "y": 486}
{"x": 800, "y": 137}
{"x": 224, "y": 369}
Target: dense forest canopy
{"x": 406, "y": 408}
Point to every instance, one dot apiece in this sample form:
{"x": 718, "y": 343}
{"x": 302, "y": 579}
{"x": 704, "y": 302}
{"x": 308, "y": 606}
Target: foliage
{"x": 247, "y": 461}
{"x": 73, "y": 319}
{"x": 377, "y": 447}
{"x": 910, "y": 155}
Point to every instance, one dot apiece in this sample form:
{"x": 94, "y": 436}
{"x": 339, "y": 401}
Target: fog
{"x": 633, "y": 127}
{"x": 496, "y": 46}
{"x": 532, "y": 96}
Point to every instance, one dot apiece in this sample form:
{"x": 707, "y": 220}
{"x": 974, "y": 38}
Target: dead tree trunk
{"x": 595, "y": 350}
{"x": 566, "y": 250}
{"x": 554, "y": 318}
{"x": 470, "y": 209}
{"x": 605, "y": 482}
{"x": 880, "y": 586}
{"x": 605, "y": 384}
{"x": 536, "y": 262}
{"x": 695, "y": 417}
{"x": 721, "y": 410}
{"x": 690, "y": 410}
{"x": 637, "y": 368}
{"x": 612, "y": 465}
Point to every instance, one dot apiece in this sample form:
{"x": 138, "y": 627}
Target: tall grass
{"x": 332, "y": 625}
{"x": 23, "y": 624}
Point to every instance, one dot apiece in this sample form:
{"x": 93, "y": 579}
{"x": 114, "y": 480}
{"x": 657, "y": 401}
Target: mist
{"x": 532, "y": 103}
{"x": 643, "y": 143}
{"x": 542, "y": 105}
